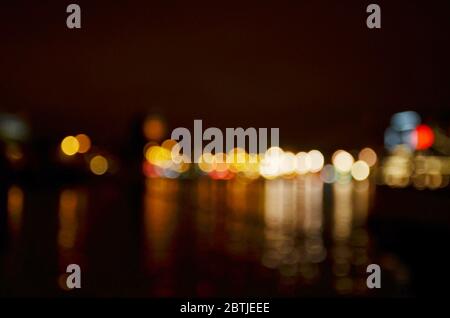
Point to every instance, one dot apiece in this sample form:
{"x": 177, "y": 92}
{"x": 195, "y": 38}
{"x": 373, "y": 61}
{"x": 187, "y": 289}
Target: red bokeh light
{"x": 423, "y": 137}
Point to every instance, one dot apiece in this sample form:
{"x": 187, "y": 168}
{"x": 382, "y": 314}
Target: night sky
{"x": 312, "y": 68}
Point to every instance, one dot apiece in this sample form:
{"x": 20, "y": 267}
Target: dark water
{"x": 291, "y": 238}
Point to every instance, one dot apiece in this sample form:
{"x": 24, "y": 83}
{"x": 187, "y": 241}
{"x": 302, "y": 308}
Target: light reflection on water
{"x": 206, "y": 237}
{"x": 15, "y": 211}
{"x": 281, "y": 224}
{"x": 160, "y": 218}
{"x": 293, "y": 227}
{"x": 71, "y": 230}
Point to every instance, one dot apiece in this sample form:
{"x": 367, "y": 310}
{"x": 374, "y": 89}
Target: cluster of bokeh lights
{"x": 81, "y": 144}
{"x": 407, "y": 140}
{"x": 418, "y": 155}
{"x": 415, "y": 154}
{"x": 160, "y": 162}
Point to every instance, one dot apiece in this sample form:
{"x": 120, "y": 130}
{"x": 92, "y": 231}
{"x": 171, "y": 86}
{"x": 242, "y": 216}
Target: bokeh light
{"x": 270, "y": 167}
{"x": 84, "y": 143}
{"x": 70, "y": 145}
{"x": 369, "y": 156}
{"x": 422, "y": 137}
{"x": 360, "y": 170}
{"x": 406, "y": 120}
{"x": 316, "y": 160}
{"x": 159, "y": 156}
{"x": 98, "y": 165}
{"x": 288, "y": 163}
{"x": 238, "y": 159}
{"x": 342, "y": 161}
{"x": 13, "y": 128}
{"x": 328, "y": 174}
{"x": 303, "y": 163}
{"x": 220, "y": 162}
{"x": 154, "y": 128}
{"x": 205, "y": 162}
{"x": 14, "y": 152}
{"x": 169, "y": 144}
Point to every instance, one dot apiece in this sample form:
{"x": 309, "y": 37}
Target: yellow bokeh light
{"x": 238, "y": 160}
{"x": 70, "y": 145}
{"x": 147, "y": 147}
{"x": 251, "y": 169}
{"x": 98, "y": 165}
{"x": 205, "y": 162}
{"x": 288, "y": 163}
{"x": 369, "y": 156}
{"x": 360, "y": 170}
{"x": 397, "y": 170}
{"x": 151, "y": 153}
{"x": 84, "y": 143}
{"x": 342, "y": 161}
{"x": 303, "y": 163}
{"x": 159, "y": 156}
{"x": 274, "y": 152}
{"x": 271, "y": 163}
{"x": 316, "y": 160}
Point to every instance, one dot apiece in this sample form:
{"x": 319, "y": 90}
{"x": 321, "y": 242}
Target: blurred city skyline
{"x": 89, "y": 175}
{"x": 312, "y": 69}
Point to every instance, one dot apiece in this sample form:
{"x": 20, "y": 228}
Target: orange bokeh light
{"x": 154, "y": 128}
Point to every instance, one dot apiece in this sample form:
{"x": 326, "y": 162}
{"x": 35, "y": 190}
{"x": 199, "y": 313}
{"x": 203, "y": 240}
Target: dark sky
{"x": 311, "y": 68}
